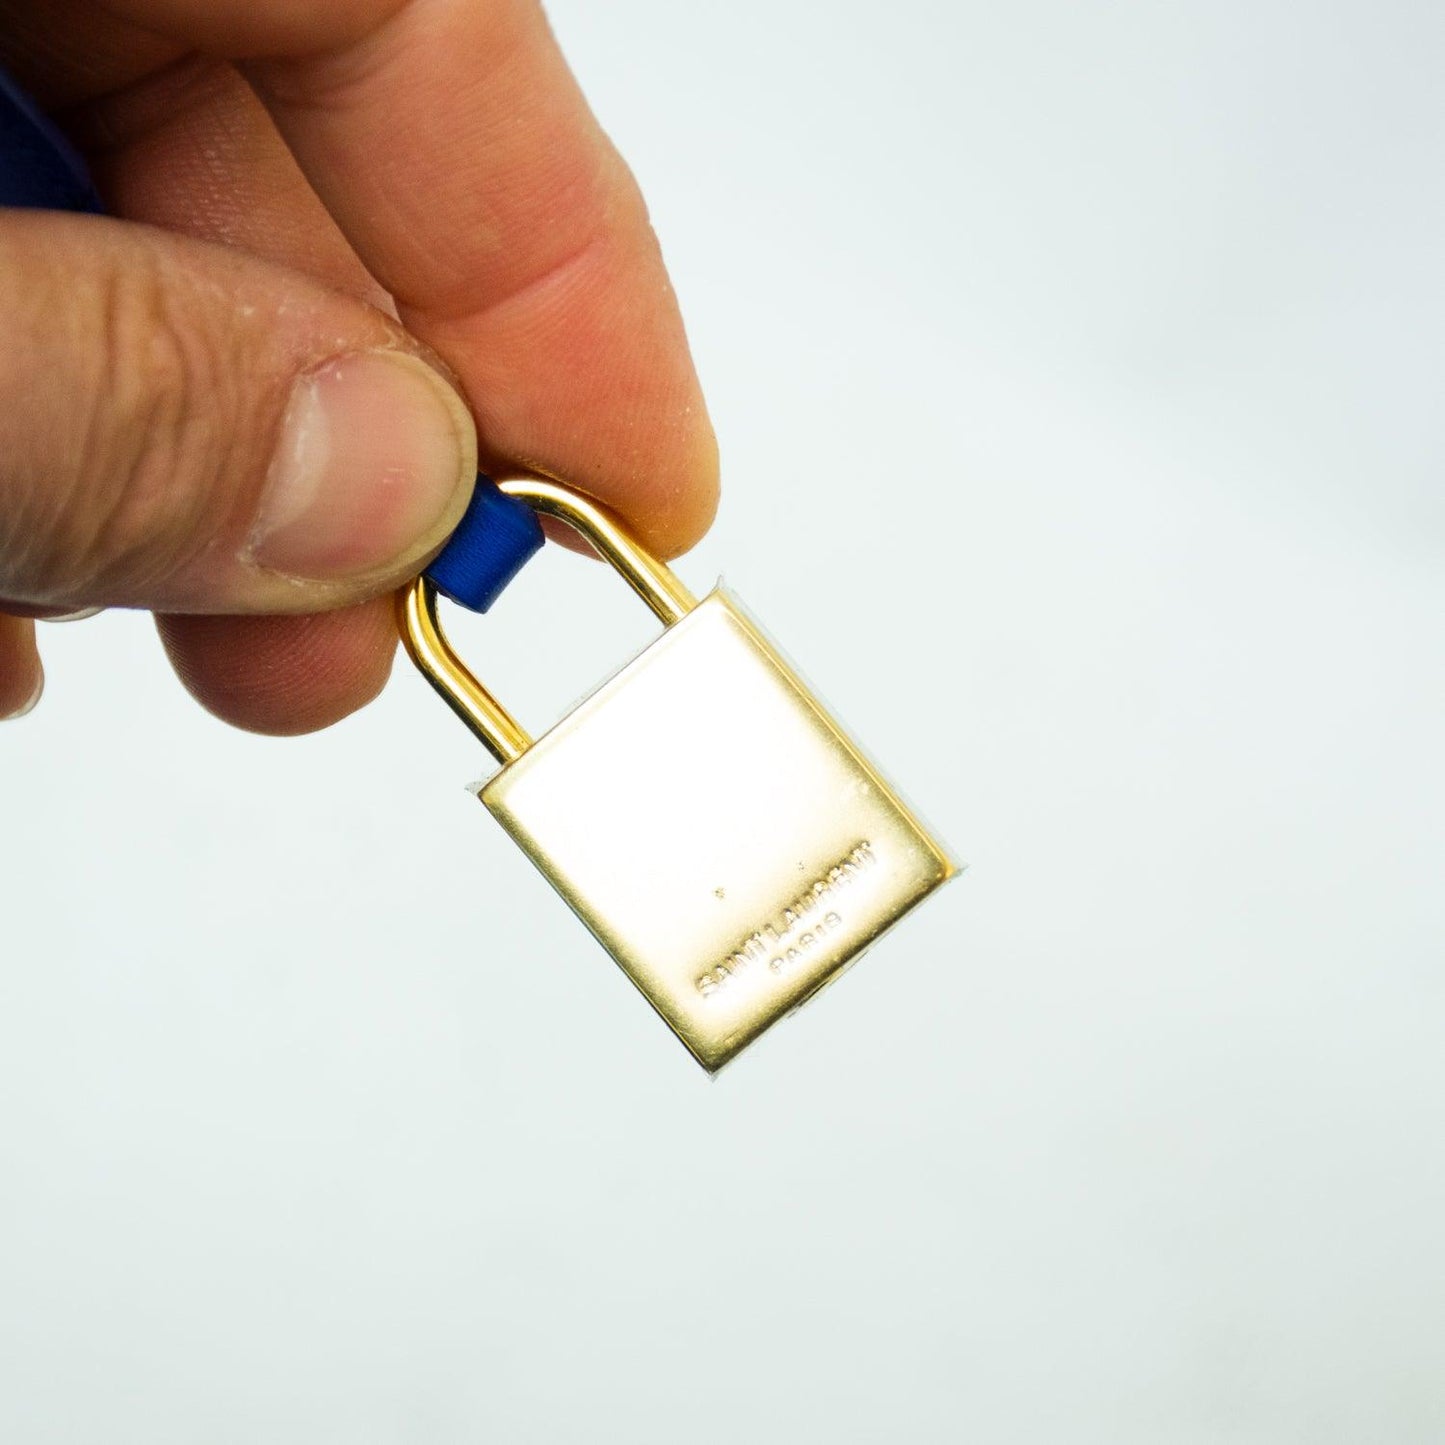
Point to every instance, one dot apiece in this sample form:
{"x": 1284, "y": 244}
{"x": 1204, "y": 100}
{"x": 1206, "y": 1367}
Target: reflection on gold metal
{"x": 653, "y": 581}
{"x": 427, "y": 646}
{"x": 700, "y": 812}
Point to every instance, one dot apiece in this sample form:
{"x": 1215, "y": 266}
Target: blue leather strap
{"x": 492, "y": 543}
{"x": 39, "y": 168}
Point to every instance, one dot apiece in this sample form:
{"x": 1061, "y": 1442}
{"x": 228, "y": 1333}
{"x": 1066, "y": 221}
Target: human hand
{"x": 216, "y": 416}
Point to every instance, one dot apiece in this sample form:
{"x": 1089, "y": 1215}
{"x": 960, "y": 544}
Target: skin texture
{"x": 355, "y": 174}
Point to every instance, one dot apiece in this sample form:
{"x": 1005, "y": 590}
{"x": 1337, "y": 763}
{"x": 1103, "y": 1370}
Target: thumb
{"x": 187, "y": 429}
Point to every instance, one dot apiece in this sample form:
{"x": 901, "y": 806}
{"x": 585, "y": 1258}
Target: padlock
{"x": 700, "y": 812}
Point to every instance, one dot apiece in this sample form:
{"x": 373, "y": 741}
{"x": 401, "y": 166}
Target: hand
{"x": 240, "y": 414}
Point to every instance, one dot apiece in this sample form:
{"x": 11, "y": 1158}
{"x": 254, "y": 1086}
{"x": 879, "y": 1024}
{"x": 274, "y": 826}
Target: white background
{"x": 1078, "y": 374}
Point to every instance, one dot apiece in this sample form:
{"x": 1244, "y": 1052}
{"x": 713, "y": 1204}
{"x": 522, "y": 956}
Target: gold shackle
{"x": 426, "y": 642}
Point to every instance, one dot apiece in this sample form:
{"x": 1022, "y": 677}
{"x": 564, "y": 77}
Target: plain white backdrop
{"x": 1077, "y": 370}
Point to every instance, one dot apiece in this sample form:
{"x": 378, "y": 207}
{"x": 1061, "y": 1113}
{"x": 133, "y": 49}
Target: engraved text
{"x": 786, "y": 939}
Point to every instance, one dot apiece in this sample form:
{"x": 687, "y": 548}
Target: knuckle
{"x": 153, "y": 449}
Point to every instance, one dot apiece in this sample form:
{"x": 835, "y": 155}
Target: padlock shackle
{"x": 653, "y": 581}
{"x": 427, "y": 645}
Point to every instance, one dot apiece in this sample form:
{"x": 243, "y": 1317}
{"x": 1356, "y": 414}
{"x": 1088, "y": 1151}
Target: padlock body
{"x": 717, "y": 831}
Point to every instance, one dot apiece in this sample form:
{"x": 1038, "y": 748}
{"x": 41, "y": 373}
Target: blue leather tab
{"x": 492, "y": 543}
{"x": 38, "y": 166}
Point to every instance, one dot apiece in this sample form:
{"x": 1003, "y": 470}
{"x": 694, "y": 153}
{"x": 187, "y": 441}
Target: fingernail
{"x": 83, "y": 615}
{"x": 29, "y": 705}
{"x": 376, "y": 460}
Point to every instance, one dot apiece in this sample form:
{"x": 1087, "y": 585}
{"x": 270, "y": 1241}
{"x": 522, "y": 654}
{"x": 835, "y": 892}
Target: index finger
{"x": 451, "y": 143}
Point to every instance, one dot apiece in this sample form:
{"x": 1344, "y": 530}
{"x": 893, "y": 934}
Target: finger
{"x": 49, "y": 614}
{"x": 204, "y": 432}
{"x": 456, "y": 151}
{"x": 284, "y": 675}
{"x": 451, "y": 143}
{"x": 66, "y": 51}
{"x": 193, "y": 150}
{"x": 21, "y": 677}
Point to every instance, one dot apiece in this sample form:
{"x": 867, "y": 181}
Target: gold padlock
{"x": 700, "y": 812}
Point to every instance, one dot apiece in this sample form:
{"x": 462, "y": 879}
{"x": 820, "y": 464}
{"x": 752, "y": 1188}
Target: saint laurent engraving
{"x": 796, "y": 930}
